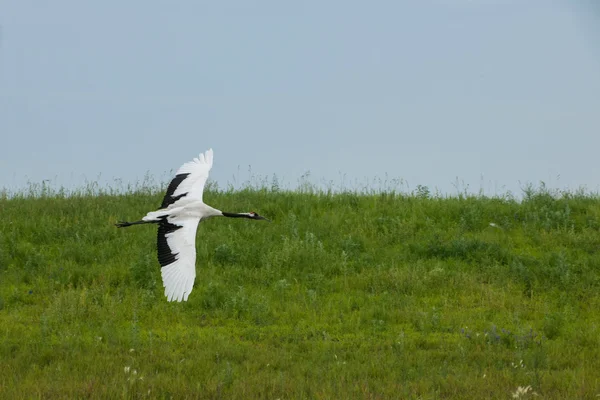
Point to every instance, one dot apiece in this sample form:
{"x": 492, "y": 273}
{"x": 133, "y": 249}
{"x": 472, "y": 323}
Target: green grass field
{"x": 368, "y": 296}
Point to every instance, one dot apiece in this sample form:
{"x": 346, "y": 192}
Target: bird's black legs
{"x": 123, "y": 224}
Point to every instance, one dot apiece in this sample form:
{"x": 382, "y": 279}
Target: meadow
{"x": 366, "y": 295}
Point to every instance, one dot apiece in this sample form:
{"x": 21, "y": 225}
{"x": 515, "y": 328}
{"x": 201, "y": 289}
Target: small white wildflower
{"x": 131, "y": 350}
{"x": 494, "y": 225}
{"x": 127, "y": 369}
{"x": 522, "y": 391}
{"x": 134, "y": 372}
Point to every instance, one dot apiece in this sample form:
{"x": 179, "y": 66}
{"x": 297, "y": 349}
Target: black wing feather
{"x": 165, "y": 255}
{"x": 169, "y": 198}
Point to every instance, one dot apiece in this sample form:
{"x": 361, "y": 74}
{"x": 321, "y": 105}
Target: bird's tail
{"x": 157, "y": 216}
{"x": 153, "y": 217}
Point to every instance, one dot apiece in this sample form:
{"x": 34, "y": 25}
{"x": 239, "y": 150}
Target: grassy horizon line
{"x": 397, "y": 186}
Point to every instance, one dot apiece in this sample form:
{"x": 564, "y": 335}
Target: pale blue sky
{"x": 492, "y": 92}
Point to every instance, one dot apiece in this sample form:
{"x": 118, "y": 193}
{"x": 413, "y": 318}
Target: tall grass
{"x": 346, "y": 295}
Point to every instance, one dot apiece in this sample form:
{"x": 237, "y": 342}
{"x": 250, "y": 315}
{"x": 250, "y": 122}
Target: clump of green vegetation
{"x": 344, "y": 295}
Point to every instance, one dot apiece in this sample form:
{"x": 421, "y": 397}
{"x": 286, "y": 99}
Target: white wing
{"x": 189, "y": 180}
{"x": 176, "y": 243}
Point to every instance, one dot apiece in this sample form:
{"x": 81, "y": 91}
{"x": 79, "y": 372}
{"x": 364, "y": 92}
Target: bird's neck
{"x": 235, "y": 215}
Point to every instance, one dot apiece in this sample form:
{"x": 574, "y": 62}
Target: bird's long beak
{"x": 261, "y": 217}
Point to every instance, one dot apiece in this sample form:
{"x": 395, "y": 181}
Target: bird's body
{"x": 181, "y": 211}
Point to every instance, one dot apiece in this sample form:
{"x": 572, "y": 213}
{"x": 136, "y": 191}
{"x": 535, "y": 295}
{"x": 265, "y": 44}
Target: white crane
{"x": 181, "y": 211}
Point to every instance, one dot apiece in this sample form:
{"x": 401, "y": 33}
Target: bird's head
{"x": 253, "y": 215}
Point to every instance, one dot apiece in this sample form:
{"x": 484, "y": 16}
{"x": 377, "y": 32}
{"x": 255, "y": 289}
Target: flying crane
{"x": 181, "y": 211}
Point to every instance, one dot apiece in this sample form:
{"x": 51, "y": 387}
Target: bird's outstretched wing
{"x": 176, "y": 243}
{"x": 189, "y": 180}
